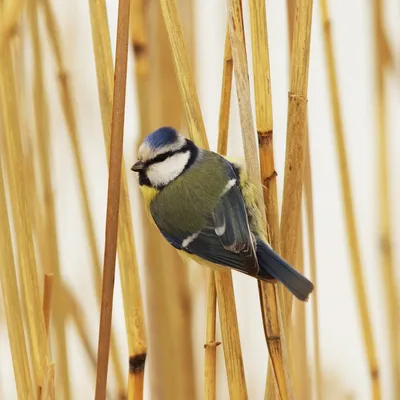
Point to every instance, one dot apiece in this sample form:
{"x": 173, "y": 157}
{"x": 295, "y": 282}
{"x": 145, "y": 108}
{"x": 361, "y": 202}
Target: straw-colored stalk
{"x": 222, "y": 148}
{"x": 131, "y": 291}
{"x": 114, "y": 191}
{"x": 309, "y": 205}
{"x": 47, "y": 299}
{"x": 12, "y": 306}
{"x": 226, "y": 300}
{"x": 264, "y": 120}
{"x": 295, "y": 140}
{"x": 354, "y": 248}
{"x": 298, "y": 342}
{"x": 385, "y": 218}
{"x": 21, "y": 217}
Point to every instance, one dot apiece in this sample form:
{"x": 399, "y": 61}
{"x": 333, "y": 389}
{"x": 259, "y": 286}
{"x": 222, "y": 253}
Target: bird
{"x": 205, "y": 206}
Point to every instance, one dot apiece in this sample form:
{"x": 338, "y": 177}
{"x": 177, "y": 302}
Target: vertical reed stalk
{"x": 295, "y": 140}
{"x": 47, "y": 299}
{"x": 131, "y": 291}
{"x": 355, "y": 253}
{"x": 12, "y": 307}
{"x": 211, "y": 344}
{"x": 226, "y": 301}
{"x": 21, "y": 217}
{"x": 385, "y": 218}
{"x": 268, "y": 298}
{"x": 114, "y": 186}
{"x": 298, "y": 347}
{"x": 47, "y": 231}
{"x": 309, "y": 202}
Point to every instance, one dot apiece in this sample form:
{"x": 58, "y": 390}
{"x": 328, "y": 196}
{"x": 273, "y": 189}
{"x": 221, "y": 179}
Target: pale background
{"x": 343, "y": 359}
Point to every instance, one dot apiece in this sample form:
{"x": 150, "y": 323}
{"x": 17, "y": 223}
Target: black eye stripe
{"x": 164, "y": 156}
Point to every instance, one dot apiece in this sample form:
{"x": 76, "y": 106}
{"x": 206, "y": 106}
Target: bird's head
{"x": 163, "y": 156}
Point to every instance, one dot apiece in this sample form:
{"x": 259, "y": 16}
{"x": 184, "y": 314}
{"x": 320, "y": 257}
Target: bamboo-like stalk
{"x": 226, "y": 301}
{"x": 46, "y": 224}
{"x": 264, "y": 120}
{"x": 131, "y": 291}
{"x": 298, "y": 346}
{"x": 222, "y": 148}
{"x": 21, "y": 217}
{"x": 385, "y": 218}
{"x": 114, "y": 186}
{"x": 350, "y": 220}
{"x": 309, "y": 203}
{"x": 268, "y": 295}
{"x": 47, "y": 298}
{"x": 295, "y": 139}
{"x": 12, "y": 306}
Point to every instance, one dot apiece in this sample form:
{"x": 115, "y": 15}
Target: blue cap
{"x": 162, "y": 137}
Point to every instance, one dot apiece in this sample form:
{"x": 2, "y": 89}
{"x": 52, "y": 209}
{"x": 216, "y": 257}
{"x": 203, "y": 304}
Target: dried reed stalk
{"x": 47, "y": 299}
{"x": 295, "y": 139}
{"x": 264, "y": 119}
{"x": 21, "y": 217}
{"x": 131, "y": 292}
{"x": 222, "y": 148}
{"x": 355, "y": 253}
{"x": 309, "y": 203}
{"x": 226, "y": 301}
{"x": 46, "y": 224}
{"x": 114, "y": 186}
{"x": 385, "y": 218}
{"x": 298, "y": 341}
{"x": 12, "y": 307}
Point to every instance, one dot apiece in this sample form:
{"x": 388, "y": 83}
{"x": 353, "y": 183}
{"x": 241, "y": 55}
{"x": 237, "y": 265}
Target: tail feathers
{"x": 271, "y": 264}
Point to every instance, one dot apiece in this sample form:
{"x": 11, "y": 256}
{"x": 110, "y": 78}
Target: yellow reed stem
{"x": 296, "y": 131}
{"x": 309, "y": 202}
{"x": 113, "y": 199}
{"x": 352, "y": 235}
{"x": 385, "y": 217}
{"x": 130, "y": 283}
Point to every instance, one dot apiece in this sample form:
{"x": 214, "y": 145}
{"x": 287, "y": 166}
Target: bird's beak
{"x": 138, "y": 166}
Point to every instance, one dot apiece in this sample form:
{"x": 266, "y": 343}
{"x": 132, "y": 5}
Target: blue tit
{"x": 205, "y": 206}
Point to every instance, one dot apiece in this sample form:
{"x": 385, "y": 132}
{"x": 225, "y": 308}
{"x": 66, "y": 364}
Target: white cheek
{"x": 162, "y": 173}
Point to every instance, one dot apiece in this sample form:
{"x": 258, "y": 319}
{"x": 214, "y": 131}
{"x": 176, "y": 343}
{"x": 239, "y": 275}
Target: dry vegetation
{"x": 38, "y": 303}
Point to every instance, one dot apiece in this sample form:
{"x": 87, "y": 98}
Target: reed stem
{"x": 350, "y": 220}
{"x": 114, "y": 185}
{"x": 385, "y": 217}
{"x": 295, "y": 140}
{"x": 130, "y": 283}
{"x": 309, "y": 203}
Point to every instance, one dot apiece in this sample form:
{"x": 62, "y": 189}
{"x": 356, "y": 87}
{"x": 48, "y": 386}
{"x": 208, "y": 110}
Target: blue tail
{"x": 271, "y": 264}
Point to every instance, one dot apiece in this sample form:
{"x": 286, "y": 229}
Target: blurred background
{"x": 343, "y": 359}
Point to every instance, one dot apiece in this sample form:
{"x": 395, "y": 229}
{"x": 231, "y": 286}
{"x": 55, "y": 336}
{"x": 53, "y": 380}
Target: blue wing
{"x": 226, "y": 239}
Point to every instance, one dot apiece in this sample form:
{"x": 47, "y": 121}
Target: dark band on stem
{"x": 137, "y": 363}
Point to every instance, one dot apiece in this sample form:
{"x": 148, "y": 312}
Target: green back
{"x": 186, "y": 204}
